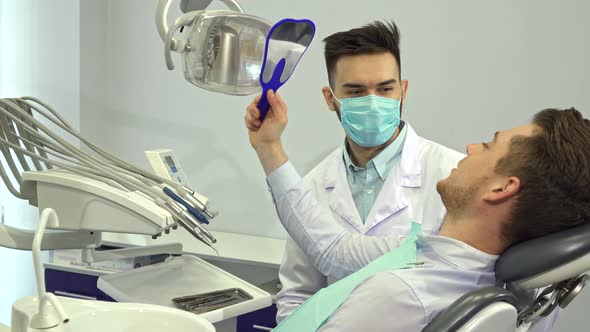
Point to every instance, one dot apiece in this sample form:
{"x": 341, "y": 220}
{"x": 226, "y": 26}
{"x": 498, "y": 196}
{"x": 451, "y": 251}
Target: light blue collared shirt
{"x": 366, "y": 183}
{"x": 408, "y": 299}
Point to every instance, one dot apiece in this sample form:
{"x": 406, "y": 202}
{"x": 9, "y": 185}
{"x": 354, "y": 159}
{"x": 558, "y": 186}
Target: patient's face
{"x": 465, "y": 187}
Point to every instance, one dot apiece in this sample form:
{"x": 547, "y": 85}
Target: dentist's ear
{"x": 329, "y": 98}
{"x": 404, "y": 91}
{"x": 503, "y": 190}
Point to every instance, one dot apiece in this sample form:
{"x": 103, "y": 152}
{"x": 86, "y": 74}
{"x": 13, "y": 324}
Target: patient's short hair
{"x": 553, "y": 167}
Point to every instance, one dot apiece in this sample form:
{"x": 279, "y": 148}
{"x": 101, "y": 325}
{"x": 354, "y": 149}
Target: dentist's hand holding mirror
{"x": 266, "y": 116}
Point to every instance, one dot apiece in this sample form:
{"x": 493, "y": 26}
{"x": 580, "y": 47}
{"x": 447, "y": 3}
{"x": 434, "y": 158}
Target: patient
{"x": 526, "y": 182}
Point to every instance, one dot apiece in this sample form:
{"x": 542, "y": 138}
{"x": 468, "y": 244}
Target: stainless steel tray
{"x": 200, "y": 303}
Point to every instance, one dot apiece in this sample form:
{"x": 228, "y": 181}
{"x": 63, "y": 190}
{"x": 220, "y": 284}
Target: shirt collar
{"x": 384, "y": 161}
{"x": 347, "y": 160}
{"x": 456, "y": 253}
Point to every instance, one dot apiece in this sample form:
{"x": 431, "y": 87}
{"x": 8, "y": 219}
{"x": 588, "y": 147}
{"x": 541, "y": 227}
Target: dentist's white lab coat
{"x": 408, "y": 194}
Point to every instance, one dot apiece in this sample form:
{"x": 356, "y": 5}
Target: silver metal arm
{"x": 233, "y": 5}
{"x": 161, "y": 17}
{"x": 187, "y": 5}
{"x": 192, "y": 5}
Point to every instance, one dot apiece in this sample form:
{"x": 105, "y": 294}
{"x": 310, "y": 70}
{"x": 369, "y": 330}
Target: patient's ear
{"x": 502, "y": 189}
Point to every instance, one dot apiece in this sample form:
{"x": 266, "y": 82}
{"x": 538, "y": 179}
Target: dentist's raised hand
{"x": 268, "y": 131}
{"x": 265, "y": 136}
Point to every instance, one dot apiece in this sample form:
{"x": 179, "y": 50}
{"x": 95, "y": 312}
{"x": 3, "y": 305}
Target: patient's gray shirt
{"x": 407, "y": 299}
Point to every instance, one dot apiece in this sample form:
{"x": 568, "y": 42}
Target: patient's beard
{"x": 456, "y": 199}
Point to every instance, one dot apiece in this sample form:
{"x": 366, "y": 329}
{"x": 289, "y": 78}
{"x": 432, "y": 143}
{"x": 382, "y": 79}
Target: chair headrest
{"x": 548, "y": 259}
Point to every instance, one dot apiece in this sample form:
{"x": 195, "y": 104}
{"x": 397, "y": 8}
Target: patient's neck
{"x": 476, "y": 232}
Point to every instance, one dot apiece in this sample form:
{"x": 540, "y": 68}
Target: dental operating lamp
{"x": 221, "y": 50}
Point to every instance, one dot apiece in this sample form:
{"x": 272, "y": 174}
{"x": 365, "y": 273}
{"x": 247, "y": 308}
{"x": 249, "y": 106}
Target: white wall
{"x": 39, "y": 56}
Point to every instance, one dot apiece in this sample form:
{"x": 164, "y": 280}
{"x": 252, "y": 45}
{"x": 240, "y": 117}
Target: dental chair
{"x": 552, "y": 266}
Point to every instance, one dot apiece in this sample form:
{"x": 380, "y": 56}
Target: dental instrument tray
{"x": 205, "y": 302}
{"x": 169, "y": 282}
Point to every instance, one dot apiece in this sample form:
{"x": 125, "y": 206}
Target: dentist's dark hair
{"x": 553, "y": 167}
{"x": 376, "y": 37}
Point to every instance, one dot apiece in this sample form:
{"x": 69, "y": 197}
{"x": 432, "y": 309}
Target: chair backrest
{"x": 496, "y": 317}
{"x": 558, "y": 258}
{"x": 475, "y": 310}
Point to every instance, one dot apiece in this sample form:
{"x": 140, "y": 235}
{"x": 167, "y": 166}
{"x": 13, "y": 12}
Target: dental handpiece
{"x": 193, "y": 197}
{"x": 197, "y": 226}
{"x": 186, "y": 222}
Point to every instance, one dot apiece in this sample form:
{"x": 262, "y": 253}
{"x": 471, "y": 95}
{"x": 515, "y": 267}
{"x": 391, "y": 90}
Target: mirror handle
{"x": 273, "y": 84}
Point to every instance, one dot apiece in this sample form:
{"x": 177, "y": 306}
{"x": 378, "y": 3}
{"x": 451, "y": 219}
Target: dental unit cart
{"x": 67, "y": 277}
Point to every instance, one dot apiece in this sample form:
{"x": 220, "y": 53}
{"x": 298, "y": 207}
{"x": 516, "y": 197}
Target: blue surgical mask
{"x": 369, "y": 120}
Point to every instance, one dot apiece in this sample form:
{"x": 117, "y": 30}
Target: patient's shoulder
{"x": 383, "y": 296}
{"x": 391, "y": 282}
{"x": 437, "y": 286}
{"x": 391, "y": 289}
